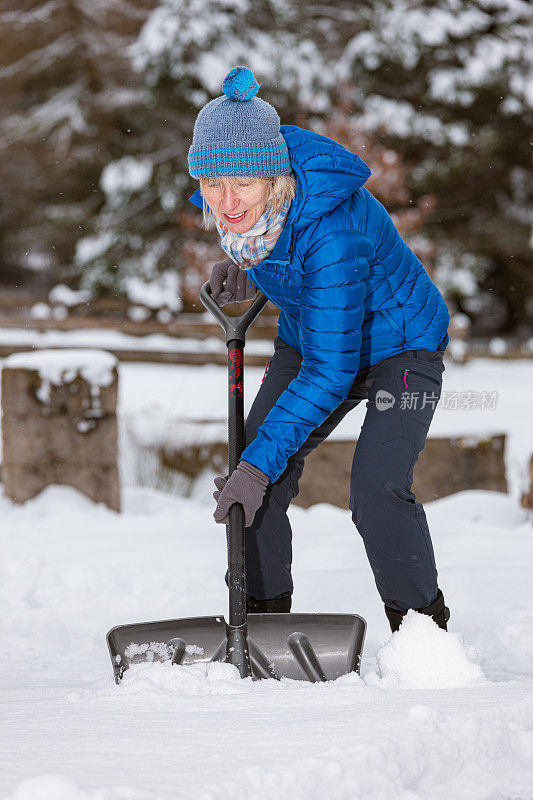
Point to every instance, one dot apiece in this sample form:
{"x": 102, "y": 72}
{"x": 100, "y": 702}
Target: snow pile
{"x": 422, "y": 656}
{"x": 491, "y": 510}
{"x": 55, "y": 502}
{"x": 211, "y": 678}
{"x": 159, "y": 682}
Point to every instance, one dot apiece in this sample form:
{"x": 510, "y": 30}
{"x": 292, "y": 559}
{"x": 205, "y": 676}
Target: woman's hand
{"x": 238, "y": 286}
{"x": 247, "y": 486}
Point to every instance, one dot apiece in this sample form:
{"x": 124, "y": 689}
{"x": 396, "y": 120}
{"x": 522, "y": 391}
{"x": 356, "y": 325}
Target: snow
{"x": 458, "y": 349}
{"x": 68, "y": 297}
{"x": 160, "y": 292}
{"x": 40, "y": 311}
{"x": 401, "y": 119}
{"x": 63, "y": 108}
{"x": 59, "y": 312}
{"x": 460, "y": 322}
{"x": 61, "y": 366}
{"x": 57, "y": 787}
{"x": 164, "y": 316}
{"x": 138, "y": 313}
{"x": 432, "y": 716}
{"x": 498, "y": 346}
{"x": 125, "y": 176}
{"x": 56, "y": 367}
{"x": 422, "y": 656}
{"x": 197, "y": 42}
{"x": 114, "y": 339}
{"x": 91, "y": 247}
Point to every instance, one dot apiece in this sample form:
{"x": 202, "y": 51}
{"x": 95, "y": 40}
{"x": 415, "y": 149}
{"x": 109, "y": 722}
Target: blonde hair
{"x": 282, "y": 188}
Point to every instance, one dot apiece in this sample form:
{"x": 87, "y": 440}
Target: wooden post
{"x": 527, "y": 496}
{"x": 59, "y": 424}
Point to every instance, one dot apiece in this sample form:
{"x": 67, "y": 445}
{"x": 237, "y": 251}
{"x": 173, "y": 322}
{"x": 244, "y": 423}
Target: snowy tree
{"x": 195, "y": 42}
{"x": 100, "y": 102}
{"x": 95, "y": 132}
{"x": 449, "y": 85}
{"x": 68, "y": 98}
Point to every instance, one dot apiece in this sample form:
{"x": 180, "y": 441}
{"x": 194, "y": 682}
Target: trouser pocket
{"x": 418, "y": 384}
{"x": 420, "y": 375}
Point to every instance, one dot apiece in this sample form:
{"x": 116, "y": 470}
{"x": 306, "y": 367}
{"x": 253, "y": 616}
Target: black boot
{"x": 436, "y": 610}
{"x": 275, "y": 605}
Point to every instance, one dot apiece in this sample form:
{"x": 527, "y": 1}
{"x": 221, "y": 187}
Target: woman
{"x": 360, "y": 319}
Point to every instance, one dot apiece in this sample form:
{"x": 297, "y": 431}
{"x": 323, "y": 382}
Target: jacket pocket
{"x": 392, "y": 322}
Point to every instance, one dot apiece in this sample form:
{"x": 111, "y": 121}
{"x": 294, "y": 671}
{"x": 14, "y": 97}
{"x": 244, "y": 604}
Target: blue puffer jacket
{"x": 350, "y": 292}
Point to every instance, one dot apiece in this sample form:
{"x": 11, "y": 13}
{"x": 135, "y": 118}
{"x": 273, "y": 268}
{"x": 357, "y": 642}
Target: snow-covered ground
{"x": 434, "y": 716}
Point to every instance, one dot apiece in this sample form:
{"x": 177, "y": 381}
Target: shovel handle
{"x": 236, "y": 560}
{"x": 234, "y": 327}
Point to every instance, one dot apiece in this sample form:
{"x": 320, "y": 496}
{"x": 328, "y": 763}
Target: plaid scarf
{"x": 249, "y": 248}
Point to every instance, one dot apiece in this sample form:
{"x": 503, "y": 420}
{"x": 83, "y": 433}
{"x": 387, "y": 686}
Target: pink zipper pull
{"x": 405, "y": 378}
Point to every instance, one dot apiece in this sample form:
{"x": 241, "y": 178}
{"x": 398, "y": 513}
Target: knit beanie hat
{"x": 238, "y": 133}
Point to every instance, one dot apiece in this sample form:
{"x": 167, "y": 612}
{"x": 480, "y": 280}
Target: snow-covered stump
{"x": 59, "y": 424}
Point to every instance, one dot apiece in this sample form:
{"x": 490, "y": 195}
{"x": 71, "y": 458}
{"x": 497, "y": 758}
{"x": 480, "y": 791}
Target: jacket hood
{"x": 326, "y": 173}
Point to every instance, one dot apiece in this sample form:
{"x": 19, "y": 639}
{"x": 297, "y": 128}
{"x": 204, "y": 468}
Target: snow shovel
{"x": 313, "y": 647}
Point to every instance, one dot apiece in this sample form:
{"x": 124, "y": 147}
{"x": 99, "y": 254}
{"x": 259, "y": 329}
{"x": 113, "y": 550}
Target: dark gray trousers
{"x": 402, "y": 392}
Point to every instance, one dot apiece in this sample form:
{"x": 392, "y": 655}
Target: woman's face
{"x": 238, "y": 207}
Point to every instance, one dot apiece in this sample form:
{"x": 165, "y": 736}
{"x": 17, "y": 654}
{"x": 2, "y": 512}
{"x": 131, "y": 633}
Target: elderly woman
{"x": 360, "y": 319}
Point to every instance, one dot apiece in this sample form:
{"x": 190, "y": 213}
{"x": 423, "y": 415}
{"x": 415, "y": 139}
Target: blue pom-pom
{"x": 240, "y": 84}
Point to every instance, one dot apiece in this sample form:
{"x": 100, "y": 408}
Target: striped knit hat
{"x": 238, "y": 133}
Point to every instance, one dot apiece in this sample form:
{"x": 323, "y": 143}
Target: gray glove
{"x": 238, "y": 286}
{"x": 247, "y": 486}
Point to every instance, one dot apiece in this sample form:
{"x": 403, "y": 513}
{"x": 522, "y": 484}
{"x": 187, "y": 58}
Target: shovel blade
{"x": 314, "y": 647}
{"x": 185, "y": 641}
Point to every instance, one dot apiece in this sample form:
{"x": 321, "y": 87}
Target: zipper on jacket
{"x": 256, "y": 283}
